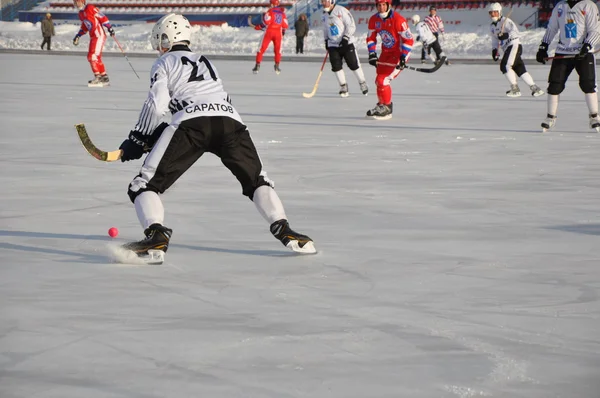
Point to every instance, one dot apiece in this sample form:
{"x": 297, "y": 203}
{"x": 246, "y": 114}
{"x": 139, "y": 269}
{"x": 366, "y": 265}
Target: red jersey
{"x": 274, "y": 19}
{"x": 92, "y": 21}
{"x": 394, "y": 32}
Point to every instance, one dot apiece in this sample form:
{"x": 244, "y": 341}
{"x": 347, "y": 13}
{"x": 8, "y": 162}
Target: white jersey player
{"x": 429, "y": 40}
{"x": 578, "y": 28}
{"x": 338, "y": 32}
{"x": 505, "y": 35}
{"x": 203, "y": 120}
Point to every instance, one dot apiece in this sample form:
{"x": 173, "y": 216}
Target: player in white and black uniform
{"x": 338, "y": 31}
{"x": 505, "y": 34}
{"x": 426, "y": 36}
{"x": 203, "y": 120}
{"x": 578, "y": 26}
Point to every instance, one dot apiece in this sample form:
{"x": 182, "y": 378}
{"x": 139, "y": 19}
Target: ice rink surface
{"x": 458, "y": 245}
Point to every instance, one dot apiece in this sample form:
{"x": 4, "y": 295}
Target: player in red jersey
{"x": 396, "y": 44}
{"x": 274, "y": 22}
{"x": 93, "y": 21}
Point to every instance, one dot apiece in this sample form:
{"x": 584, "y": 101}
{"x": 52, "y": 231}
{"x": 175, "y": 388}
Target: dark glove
{"x": 402, "y": 63}
{"x": 76, "y": 40}
{"x": 283, "y": 32}
{"x": 326, "y": 45}
{"x": 373, "y": 59}
{"x": 344, "y": 43}
{"x": 495, "y": 55}
{"x": 502, "y": 36}
{"x": 542, "y": 53}
{"x": 585, "y": 49}
{"x": 133, "y": 147}
{"x": 111, "y": 31}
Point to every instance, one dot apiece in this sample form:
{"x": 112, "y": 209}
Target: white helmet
{"x": 415, "y": 19}
{"x": 170, "y": 29}
{"x": 495, "y": 7}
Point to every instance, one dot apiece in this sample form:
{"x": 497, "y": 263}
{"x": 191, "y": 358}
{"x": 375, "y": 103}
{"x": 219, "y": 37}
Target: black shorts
{"x": 339, "y": 54}
{"x": 178, "y": 148}
{"x": 561, "y": 69}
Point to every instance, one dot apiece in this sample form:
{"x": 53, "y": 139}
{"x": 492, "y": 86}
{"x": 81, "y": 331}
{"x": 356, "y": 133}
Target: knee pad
{"x": 136, "y": 187}
{"x": 587, "y": 86}
{"x": 262, "y": 181}
{"x": 555, "y": 88}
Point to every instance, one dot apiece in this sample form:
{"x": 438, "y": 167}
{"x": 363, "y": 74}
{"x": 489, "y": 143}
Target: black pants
{"x": 300, "y": 44}
{"x": 339, "y": 54}
{"x": 562, "y": 68}
{"x": 175, "y": 152}
{"x": 512, "y": 60}
{"x": 426, "y": 50}
{"x": 47, "y": 39}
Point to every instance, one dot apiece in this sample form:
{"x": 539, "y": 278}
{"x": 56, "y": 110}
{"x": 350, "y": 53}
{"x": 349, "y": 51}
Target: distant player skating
{"x": 429, "y": 40}
{"x": 94, "y": 22}
{"x": 338, "y": 31}
{"x": 274, "y": 23}
{"x": 396, "y": 44}
{"x": 505, "y": 35}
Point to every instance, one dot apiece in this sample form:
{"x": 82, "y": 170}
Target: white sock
{"x": 592, "y": 102}
{"x": 149, "y": 209}
{"x": 341, "y": 77}
{"x": 527, "y": 79}
{"x": 552, "y": 104}
{"x": 268, "y": 204}
{"x": 511, "y": 76}
{"x": 360, "y": 75}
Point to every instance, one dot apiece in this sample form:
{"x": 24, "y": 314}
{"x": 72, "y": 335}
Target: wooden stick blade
{"x": 92, "y": 149}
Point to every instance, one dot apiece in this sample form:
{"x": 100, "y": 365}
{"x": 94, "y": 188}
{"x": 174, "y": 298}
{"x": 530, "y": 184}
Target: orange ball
{"x": 113, "y": 232}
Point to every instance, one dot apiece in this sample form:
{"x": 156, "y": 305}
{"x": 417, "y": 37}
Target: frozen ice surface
{"x": 458, "y": 245}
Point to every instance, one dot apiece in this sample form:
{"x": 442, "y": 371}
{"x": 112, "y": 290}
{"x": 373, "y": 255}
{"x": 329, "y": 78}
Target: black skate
{"x": 595, "y": 122}
{"x": 364, "y": 88}
{"x": 256, "y": 69}
{"x": 381, "y": 112}
{"x": 104, "y": 80}
{"x": 548, "y": 123}
{"x": 152, "y": 249}
{"x": 344, "y": 90}
{"x": 291, "y": 239}
{"x": 277, "y": 70}
{"x": 96, "y": 81}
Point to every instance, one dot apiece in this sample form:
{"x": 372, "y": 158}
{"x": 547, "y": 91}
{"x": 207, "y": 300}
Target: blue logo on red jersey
{"x": 88, "y": 24}
{"x": 387, "y": 39}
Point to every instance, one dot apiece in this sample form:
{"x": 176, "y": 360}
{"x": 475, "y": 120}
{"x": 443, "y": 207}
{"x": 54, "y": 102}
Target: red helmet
{"x": 274, "y": 3}
{"x": 389, "y": 7}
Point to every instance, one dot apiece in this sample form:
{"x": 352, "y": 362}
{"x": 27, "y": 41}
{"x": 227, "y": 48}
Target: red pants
{"x": 274, "y": 36}
{"x": 385, "y": 75}
{"x": 95, "y": 55}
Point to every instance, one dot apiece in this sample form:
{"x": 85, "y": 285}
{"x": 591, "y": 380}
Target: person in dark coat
{"x": 301, "y": 27}
{"x": 47, "y": 30}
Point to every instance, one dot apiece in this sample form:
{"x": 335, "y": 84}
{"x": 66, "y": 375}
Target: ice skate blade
{"x": 538, "y": 93}
{"x": 386, "y": 117}
{"x": 125, "y": 256}
{"x": 98, "y": 84}
{"x": 513, "y": 95}
{"x": 344, "y": 95}
{"x": 308, "y": 248}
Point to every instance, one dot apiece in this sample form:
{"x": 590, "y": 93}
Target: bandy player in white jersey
{"x": 505, "y": 34}
{"x": 577, "y": 24}
{"x": 203, "y": 120}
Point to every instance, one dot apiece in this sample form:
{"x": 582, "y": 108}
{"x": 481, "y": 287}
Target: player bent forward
{"x": 203, "y": 120}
